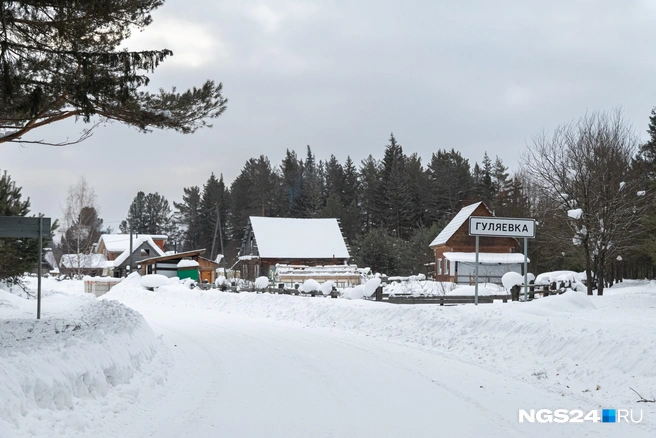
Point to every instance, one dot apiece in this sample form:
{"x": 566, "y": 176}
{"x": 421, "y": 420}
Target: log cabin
{"x": 455, "y": 251}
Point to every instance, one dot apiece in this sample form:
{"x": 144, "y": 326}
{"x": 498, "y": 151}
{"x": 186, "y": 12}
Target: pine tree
{"x": 136, "y": 219}
{"x": 149, "y": 214}
{"x": 16, "y": 255}
{"x": 64, "y": 59}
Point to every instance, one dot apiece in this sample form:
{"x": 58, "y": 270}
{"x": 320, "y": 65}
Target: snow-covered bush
{"x": 511, "y": 279}
{"x": 356, "y": 293}
{"x": 371, "y": 286}
{"x": 261, "y": 283}
{"x": 221, "y": 283}
{"x": 310, "y": 285}
{"x": 327, "y": 287}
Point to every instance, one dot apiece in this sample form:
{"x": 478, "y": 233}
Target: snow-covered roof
{"x": 299, "y": 238}
{"x": 50, "y": 258}
{"x": 135, "y": 245}
{"x": 121, "y": 242}
{"x": 187, "y": 264}
{"x": 503, "y": 258}
{"x": 83, "y": 261}
{"x": 455, "y": 223}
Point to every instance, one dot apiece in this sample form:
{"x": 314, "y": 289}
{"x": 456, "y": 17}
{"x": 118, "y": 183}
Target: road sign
{"x": 19, "y": 226}
{"x": 26, "y": 228}
{"x": 501, "y": 227}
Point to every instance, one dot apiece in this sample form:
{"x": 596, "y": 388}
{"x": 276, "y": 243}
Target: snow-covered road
{"x": 239, "y": 377}
{"x": 211, "y": 364}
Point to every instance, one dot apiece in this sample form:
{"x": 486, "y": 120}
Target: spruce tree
{"x": 214, "y": 205}
{"x": 334, "y": 178}
{"x": 292, "y": 184}
{"x": 450, "y": 182}
{"x": 312, "y": 185}
{"x": 17, "y": 256}
{"x": 370, "y": 181}
{"x": 187, "y": 218}
{"x": 394, "y": 197}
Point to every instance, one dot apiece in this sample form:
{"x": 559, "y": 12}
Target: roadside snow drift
{"x": 80, "y": 349}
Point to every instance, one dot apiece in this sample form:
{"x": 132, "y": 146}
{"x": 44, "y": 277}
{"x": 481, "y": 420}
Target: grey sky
{"x": 340, "y": 76}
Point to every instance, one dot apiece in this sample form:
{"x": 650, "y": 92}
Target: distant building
{"x": 83, "y": 264}
{"x": 455, "y": 251}
{"x": 168, "y": 265}
{"x": 270, "y": 241}
{"x": 115, "y": 248}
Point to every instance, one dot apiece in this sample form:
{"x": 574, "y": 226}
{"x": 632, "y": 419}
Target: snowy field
{"x": 180, "y": 362}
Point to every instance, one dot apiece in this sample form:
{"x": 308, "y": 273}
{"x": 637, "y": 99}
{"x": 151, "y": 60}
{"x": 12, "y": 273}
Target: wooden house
{"x": 142, "y": 248}
{"x": 455, "y": 251}
{"x": 270, "y": 241}
{"x": 113, "y": 245}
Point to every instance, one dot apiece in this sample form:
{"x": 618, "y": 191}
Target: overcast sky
{"x": 339, "y": 76}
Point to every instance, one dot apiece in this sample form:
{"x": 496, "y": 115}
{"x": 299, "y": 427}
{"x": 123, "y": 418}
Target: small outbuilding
{"x": 455, "y": 251}
{"x": 269, "y": 241}
{"x": 168, "y": 265}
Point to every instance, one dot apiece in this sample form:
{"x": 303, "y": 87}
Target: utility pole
{"x": 130, "y": 265}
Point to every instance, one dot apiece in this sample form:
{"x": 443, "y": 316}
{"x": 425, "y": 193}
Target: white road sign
{"x": 501, "y": 227}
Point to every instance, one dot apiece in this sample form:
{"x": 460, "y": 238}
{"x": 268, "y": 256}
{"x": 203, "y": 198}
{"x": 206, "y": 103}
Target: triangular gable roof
{"x": 177, "y": 255}
{"x": 287, "y": 238}
{"x": 140, "y": 243}
{"x": 121, "y": 242}
{"x": 455, "y": 223}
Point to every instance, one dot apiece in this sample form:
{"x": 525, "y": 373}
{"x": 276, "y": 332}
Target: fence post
{"x": 379, "y": 293}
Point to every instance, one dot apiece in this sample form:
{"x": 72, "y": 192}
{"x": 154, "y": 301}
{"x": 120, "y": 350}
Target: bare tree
{"x": 588, "y": 188}
{"x": 81, "y": 225}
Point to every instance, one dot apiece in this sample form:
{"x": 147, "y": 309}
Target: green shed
{"x": 188, "y": 269}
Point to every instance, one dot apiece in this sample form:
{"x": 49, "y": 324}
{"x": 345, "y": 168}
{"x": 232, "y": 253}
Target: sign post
{"x": 502, "y": 227}
{"x": 28, "y": 227}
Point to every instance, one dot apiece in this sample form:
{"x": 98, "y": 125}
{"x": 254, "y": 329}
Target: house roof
{"x": 455, "y": 223}
{"x": 179, "y": 255}
{"x": 488, "y": 258}
{"x": 139, "y": 242}
{"x": 287, "y": 238}
{"x": 121, "y": 242}
{"x": 83, "y": 261}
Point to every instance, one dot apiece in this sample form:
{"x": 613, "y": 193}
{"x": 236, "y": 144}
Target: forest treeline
{"x": 391, "y": 208}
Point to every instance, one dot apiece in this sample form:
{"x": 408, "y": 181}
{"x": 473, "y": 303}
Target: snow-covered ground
{"x": 209, "y": 364}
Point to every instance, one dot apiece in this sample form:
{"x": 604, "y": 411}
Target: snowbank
{"x": 79, "y": 350}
